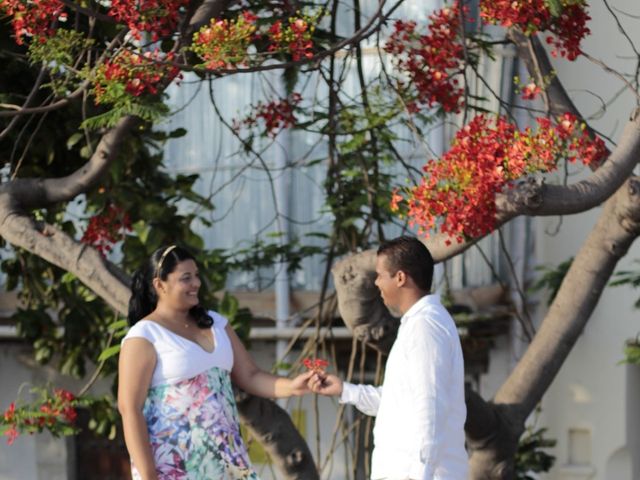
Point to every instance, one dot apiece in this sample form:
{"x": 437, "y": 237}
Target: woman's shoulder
{"x": 218, "y": 320}
{"x": 146, "y": 329}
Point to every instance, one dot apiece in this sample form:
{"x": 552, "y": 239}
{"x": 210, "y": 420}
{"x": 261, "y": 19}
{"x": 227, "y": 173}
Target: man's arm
{"x": 366, "y": 398}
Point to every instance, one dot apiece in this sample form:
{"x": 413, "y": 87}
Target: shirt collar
{"x": 431, "y": 299}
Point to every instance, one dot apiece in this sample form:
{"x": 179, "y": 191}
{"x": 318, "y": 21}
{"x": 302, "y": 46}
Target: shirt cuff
{"x": 350, "y": 393}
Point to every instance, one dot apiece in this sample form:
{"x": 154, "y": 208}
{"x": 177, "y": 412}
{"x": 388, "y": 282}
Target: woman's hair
{"x": 144, "y": 299}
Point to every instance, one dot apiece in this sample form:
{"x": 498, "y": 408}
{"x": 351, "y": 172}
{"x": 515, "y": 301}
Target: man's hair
{"x": 411, "y": 256}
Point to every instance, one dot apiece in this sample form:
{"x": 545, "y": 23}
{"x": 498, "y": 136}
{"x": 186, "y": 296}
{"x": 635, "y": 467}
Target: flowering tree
{"x": 104, "y": 67}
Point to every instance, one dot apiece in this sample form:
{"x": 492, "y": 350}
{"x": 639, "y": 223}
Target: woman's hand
{"x": 300, "y": 385}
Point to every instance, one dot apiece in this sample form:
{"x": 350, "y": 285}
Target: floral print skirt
{"x": 194, "y": 430}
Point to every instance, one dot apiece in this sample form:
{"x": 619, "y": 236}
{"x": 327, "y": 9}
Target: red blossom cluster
{"x": 431, "y": 60}
{"x": 276, "y": 115}
{"x": 224, "y": 43}
{"x": 530, "y": 91}
{"x": 295, "y": 38}
{"x": 569, "y": 30}
{"x": 532, "y": 16}
{"x": 316, "y": 364}
{"x": 58, "y": 409}
{"x": 157, "y": 17}
{"x": 37, "y": 17}
{"x": 33, "y": 18}
{"x": 106, "y": 229}
{"x": 139, "y": 74}
{"x": 458, "y": 191}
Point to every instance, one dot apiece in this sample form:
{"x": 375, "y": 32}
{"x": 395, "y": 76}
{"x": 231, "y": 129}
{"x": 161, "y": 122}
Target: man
{"x": 420, "y": 409}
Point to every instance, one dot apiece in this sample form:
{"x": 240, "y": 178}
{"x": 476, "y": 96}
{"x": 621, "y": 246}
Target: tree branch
{"x": 617, "y": 227}
{"x": 29, "y": 193}
{"x": 56, "y": 247}
{"x": 207, "y": 10}
{"x": 546, "y": 199}
{"x": 533, "y": 53}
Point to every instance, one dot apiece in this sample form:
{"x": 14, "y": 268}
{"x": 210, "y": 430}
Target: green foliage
{"x": 148, "y": 111}
{"x": 628, "y": 277}
{"x": 551, "y": 279}
{"x": 555, "y": 7}
{"x": 531, "y": 456}
{"x": 632, "y": 352}
{"x": 239, "y": 317}
{"x": 357, "y": 185}
{"x": 64, "y": 320}
{"x": 103, "y": 417}
{"x": 260, "y": 253}
{"x": 59, "y": 53}
{"x": 632, "y": 278}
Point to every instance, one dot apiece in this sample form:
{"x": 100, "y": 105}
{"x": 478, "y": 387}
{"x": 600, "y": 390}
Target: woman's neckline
{"x": 213, "y": 334}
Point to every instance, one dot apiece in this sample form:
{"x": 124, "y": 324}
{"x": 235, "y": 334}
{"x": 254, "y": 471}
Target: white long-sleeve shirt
{"x": 420, "y": 407}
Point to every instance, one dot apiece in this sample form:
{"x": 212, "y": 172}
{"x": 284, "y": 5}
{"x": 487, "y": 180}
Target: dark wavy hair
{"x": 144, "y": 299}
{"x": 412, "y": 257}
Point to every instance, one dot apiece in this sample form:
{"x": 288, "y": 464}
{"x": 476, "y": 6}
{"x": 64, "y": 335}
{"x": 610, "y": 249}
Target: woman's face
{"x": 180, "y": 288}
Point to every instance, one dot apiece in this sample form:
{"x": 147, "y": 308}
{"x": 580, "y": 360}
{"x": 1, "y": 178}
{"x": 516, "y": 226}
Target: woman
{"x": 176, "y": 367}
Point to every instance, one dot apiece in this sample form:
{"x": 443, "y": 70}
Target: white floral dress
{"x": 193, "y": 422}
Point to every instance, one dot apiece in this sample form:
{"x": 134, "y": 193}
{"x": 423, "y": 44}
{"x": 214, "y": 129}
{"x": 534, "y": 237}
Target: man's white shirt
{"x": 420, "y": 407}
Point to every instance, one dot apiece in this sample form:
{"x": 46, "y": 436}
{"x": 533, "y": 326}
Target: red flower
{"x": 530, "y": 91}
{"x": 396, "y": 198}
{"x": 11, "y": 434}
{"x": 432, "y": 60}
{"x": 532, "y": 16}
{"x": 33, "y": 18}
{"x": 64, "y": 395}
{"x": 316, "y": 364}
{"x": 276, "y": 115}
{"x": 69, "y": 414}
{"x": 158, "y": 17}
{"x": 458, "y": 192}
{"x": 9, "y": 414}
{"x": 104, "y": 230}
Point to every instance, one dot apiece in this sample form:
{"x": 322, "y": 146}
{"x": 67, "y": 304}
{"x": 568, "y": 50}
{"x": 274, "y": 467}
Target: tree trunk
{"x": 273, "y": 428}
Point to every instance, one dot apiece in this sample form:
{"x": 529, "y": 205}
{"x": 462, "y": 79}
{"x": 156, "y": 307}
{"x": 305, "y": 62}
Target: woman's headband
{"x": 162, "y": 257}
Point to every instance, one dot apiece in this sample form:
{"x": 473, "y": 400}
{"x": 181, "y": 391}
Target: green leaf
{"x": 555, "y": 7}
{"x": 177, "y": 133}
{"x": 551, "y": 278}
{"x": 73, "y": 139}
{"x": 142, "y": 229}
{"x": 68, "y": 277}
{"x": 120, "y": 324}
{"x": 109, "y": 352}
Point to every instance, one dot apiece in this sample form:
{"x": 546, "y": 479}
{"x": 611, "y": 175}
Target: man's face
{"x": 387, "y": 283}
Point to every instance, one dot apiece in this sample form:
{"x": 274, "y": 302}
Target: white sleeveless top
{"x": 179, "y": 358}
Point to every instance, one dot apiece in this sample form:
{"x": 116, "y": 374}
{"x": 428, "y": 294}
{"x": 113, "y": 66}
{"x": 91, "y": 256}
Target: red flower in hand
{"x": 316, "y": 364}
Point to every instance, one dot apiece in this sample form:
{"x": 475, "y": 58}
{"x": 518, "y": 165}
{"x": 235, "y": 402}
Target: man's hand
{"x": 325, "y": 384}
